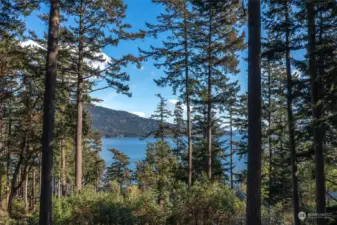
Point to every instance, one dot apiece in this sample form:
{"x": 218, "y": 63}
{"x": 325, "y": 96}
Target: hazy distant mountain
{"x": 115, "y": 123}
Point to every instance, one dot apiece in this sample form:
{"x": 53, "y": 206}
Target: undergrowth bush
{"x": 205, "y": 203}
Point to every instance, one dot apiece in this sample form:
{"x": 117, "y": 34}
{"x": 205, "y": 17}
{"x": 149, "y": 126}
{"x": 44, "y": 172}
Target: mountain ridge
{"x": 119, "y": 123}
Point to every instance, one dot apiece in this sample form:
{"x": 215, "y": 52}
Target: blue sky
{"x": 143, "y": 101}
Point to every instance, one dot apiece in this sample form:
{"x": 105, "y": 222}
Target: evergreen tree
{"x": 118, "y": 170}
{"x": 161, "y": 115}
{"x": 276, "y": 161}
{"x": 157, "y": 170}
{"x": 87, "y": 38}
{"x": 316, "y": 98}
{"x": 48, "y": 115}
{"x": 216, "y": 40}
{"x": 176, "y": 53}
{"x": 94, "y": 165}
{"x": 254, "y": 114}
{"x": 178, "y": 130}
{"x": 11, "y": 24}
{"x": 200, "y": 133}
{"x": 229, "y": 120}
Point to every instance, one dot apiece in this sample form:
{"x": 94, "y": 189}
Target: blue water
{"x": 132, "y": 147}
{"x": 136, "y": 150}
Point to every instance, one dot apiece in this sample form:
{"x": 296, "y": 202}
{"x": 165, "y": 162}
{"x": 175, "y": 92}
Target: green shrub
{"x": 145, "y": 207}
{"x": 89, "y": 207}
{"x": 18, "y": 209}
{"x": 206, "y": 203}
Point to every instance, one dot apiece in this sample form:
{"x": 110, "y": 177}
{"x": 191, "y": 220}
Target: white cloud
{"x": 100, "y": 64}
{"x": 141, "y": 114}
{"x": 173, "y": 101}
{"x": 185, "y": 107}
{"x": 31, "y": 43}
{"x": 96, "y": 64}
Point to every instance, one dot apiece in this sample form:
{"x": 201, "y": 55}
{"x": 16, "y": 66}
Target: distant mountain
{"x": 115, "y": 123}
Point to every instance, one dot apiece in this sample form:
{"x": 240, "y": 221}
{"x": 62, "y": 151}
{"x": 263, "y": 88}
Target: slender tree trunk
{"x": 79, "y": 124}
{"x": 96, "y": 179}
{"x": 209, "y": 102}
{"x": 59, "y": 188}
{"x": 63, "y": 170}
{"x": 48, "y": 115}
{"x": 16, "y": 176}
{"x": 316, "y": 114}
{"x": 25, "y": 193}
{"x": 8, "y": 159}
{"x": 188, "y": 107}
{"x": 33, "y": 189}
{"x": 291, "y": 123}
{"x": 54, "y": 187}
{"x": 254, "y": 114}
{"x": 231, "y": 146}
{"x": 2, "y": 146}
{"x": 40, "y": 174}
{"x": 1, "y": 196}
{"x": 269, "y": 135}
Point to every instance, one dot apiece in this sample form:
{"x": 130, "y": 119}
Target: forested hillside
{"x": 115, "y": 123}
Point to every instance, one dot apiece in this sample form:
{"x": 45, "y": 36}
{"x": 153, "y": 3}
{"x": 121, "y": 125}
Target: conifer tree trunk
{"x": 96, "y": 179}
{"x": 54, "y": 187}
{"x": 231, "y": 146}
{"x": 8, "y": 159}
{"x": 63, "y": 170}
{"x": 316, "y": 114}
{"x": 33, "y": 189}
{"x": 25, "y": 193}
{"x": 14, "y": 189}
{"x": 1, "y": 197}
{"x": 291, "y": 123}
{"x": 188, "y": 108}
{"x": 79, "y": 124}
{"x": 253, "y": 213}
{"x": 2, "y": 146}
{"x": 269, "y": 134}
{"x": 48, "y": 115}
{"x": 58, "y": 187}
{"x": 209, "y": 102}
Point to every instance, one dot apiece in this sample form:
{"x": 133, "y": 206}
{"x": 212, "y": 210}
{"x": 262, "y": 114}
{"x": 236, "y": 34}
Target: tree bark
{"x": 269, "y": 135}
{"x": 58, "y": 187}
{"x": 63, "y": 170}
{"x": 209, "y": 102}
{"x": 79, "y": 123}
{"x": 291, "y": 123}
{"x": 16, "y": 176}
{"x": 8, "y": 160}
{"x": 316, "y": 114}
{"x": 188, "y": 107}
{"x": 54, "y": 187}
{"x": 33, "y": 189}
{"x": 254, "y": 114}
{"x": 25, "y": 193}
{"x": 48, "y": 115}
{"x": 1, "y": 196}
{"x": 231, "y": 146}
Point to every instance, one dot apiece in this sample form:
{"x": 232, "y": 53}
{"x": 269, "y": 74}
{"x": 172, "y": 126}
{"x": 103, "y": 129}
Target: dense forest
{"x": 51, "y": 171}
